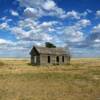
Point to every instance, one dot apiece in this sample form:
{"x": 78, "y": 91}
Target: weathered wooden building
{"x": 49, "y": 56}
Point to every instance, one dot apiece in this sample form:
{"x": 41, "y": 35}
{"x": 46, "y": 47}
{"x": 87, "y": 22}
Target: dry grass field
{"x": 78, "y": 81}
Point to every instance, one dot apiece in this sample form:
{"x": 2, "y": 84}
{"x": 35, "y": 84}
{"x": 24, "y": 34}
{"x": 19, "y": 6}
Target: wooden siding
{"x": 38, "y": 58}
{"x": 53, "y": 60}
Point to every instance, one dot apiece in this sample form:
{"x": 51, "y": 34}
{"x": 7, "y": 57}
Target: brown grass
{"x": 78, "y": 81}
{"x": 2, "y": 63}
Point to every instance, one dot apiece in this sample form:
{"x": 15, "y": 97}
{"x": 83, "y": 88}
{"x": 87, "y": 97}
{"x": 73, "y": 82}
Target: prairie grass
{"x": 78, "y": 81}
{"x": 2, "y": 63}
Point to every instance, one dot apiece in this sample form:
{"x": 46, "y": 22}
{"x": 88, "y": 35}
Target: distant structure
{"x": 49, "y": 56}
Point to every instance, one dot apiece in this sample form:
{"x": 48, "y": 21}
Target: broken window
{"x": 48, "y": 59}
{"x": 57, "y": 59}
{"x": 62, "y": 58}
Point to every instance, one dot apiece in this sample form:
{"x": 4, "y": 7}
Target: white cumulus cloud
{"x": 14, "y": 13}
{"x": 31, "y": 12}
{"x": 96, "y": 29}
{"x": 49, "y": 5}
{"x": 98, "y": 13}
{"x": 4, "y": 25}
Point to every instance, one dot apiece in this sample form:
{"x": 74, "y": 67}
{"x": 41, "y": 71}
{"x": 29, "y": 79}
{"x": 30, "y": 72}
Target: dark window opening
{"x": 62, "y": 58}
{"x": 57, "y": 59}
{"x": 48, "y": 59}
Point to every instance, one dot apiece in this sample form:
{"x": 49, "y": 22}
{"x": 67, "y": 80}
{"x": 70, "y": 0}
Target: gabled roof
{"x": 54, "y": 51}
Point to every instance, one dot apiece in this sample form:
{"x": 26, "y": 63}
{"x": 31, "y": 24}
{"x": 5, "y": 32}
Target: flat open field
{"x": 78, "y": 81}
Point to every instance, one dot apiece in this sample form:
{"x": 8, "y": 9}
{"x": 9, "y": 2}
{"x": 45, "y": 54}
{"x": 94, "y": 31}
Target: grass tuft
{"x": 2, "y": 63}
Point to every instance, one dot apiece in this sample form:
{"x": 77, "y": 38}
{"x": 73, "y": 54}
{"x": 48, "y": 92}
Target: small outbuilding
{"x": 49, "y": 56}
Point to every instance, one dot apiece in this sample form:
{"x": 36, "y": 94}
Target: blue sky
{"x": 66, "y": 23}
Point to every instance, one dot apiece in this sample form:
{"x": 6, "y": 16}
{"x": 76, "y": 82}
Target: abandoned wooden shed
{"x": 49, "y": 56}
